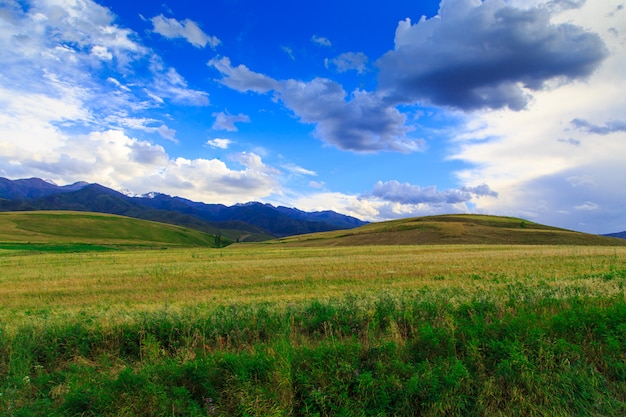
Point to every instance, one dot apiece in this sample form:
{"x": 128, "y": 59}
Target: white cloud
{"x": 240, "y": 78}
{"x": 115, "y": 160}
{"x": 320, "y": 40}
{"x": 186, "y": 29}
{"x": 298, "y": 170}
{"x": 587, "y": 206}
{"x": 370, "y": 208}
{"x": 102, "y": 52}
{"x": 73, "y": 84}
{"x": 170, "y": 84}
{"x": 405, "y": 193}
{"x": 221, "y": 143}
{"x": 123, "y": 121}
{"x": 167, "y": 133}
{"x": 225, "y": 121}
{"x": 289, "y": 52}
{"x": 355, "y": 61}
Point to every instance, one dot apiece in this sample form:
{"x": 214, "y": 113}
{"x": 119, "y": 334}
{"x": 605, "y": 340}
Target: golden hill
{"x": 452, "y": 229}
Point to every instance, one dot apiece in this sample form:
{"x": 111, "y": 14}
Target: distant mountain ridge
{"x": 250, "y": 222}
{"x": 34, "y": 188}
{"x": 621, "y": 235}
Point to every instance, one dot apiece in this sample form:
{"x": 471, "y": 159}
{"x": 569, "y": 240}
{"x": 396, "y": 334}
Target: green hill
{"x": 452, "y": 229}
{"x": 67, "y": 231}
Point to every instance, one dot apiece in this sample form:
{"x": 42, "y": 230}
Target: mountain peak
{"x": 247, "y": 219}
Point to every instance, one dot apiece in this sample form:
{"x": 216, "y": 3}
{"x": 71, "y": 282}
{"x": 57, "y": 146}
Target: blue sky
{"x": 385, "y": 110}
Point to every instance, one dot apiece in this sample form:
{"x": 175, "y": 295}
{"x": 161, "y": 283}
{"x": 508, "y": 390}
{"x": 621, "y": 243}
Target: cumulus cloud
{"x": 115, "y": 160}
{"x": 186, "y": 29}
{"x": 362, "y": 122}
{"x": 486, "y": 54}
{"x": 405, "y": 193}
{"x": 55, "y": 46}
{"x": 225, "y": 121}
{"x": 73, "y": 84}
{"x": 349, "y": 61}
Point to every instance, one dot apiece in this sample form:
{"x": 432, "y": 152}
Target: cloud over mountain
{"x": 405, "y": 193}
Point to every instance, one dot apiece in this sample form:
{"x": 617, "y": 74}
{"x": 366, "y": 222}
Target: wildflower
{"x": 209, "y": 406}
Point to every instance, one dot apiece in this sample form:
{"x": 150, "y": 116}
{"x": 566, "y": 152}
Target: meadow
{"x": 276, "y": 330}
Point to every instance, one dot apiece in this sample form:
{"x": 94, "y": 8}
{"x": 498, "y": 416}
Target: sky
{"x": 378, "y": 110}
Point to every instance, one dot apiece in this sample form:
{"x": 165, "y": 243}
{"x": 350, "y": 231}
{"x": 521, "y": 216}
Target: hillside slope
{"x": 62, "y": 227}
{"x": 452, "y": 229}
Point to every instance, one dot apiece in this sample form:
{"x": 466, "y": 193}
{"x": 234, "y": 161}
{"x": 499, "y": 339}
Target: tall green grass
{"x": 431, "y": 353}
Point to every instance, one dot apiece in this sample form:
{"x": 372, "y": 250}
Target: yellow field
{"x": 107, "y": 283}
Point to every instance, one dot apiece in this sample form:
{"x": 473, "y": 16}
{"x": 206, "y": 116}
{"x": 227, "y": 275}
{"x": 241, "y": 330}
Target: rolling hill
{"x": 40, "y": 230}
{"x": 451, "y": 229}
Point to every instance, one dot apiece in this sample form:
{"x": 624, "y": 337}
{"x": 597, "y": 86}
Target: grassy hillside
{"x": 452, "y": 229}
{"x": 76, "y": 231}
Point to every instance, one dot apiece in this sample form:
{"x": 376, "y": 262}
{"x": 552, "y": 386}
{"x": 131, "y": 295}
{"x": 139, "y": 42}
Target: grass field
{"x": 270, "y": 329}
{"x": 67, "y": 231}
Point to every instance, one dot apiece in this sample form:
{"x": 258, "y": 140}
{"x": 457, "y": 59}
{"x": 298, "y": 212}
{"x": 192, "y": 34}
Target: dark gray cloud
{"x": 405, "y": 193}
{"x": 612, "y": 126}
{"x": 362, "y": 122}
{"x": 488, "y": 54}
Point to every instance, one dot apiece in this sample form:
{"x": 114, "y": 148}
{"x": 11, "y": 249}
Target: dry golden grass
{"x": 457, "y": 229}
{"x": 104, "y": 283}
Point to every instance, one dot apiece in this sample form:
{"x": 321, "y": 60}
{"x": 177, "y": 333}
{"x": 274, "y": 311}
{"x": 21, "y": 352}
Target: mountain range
{"x": 241, "y": 222}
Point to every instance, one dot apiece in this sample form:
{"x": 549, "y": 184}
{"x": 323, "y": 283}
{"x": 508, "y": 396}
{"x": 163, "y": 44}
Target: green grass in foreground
{"x": 398, "y": 354}
{"x": 432, "y": 331}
